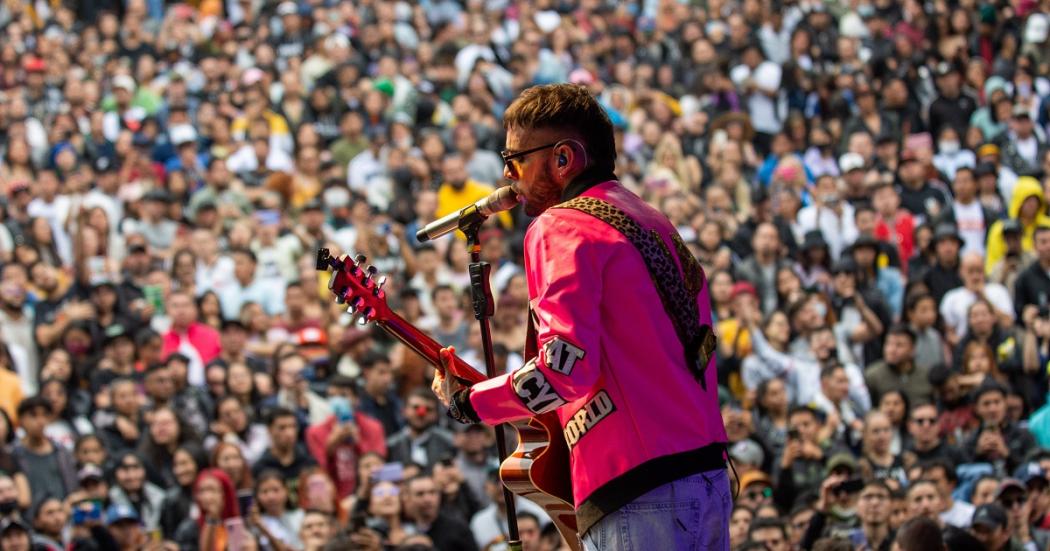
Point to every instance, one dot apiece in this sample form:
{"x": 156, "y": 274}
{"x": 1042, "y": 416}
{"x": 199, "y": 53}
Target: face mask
{"x": 948, "y": 146}
{"x": 1024, "y": 89}
{"x": 820, "y": 308}
{"x": 77, "y": 349}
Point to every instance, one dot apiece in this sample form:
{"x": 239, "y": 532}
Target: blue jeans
{"x": 689, "y": 514}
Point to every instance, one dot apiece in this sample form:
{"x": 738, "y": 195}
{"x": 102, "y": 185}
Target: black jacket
{"x": 438, "y": 446}
{"x": 940, "y": 280}
{"x": 1032, "y": 287}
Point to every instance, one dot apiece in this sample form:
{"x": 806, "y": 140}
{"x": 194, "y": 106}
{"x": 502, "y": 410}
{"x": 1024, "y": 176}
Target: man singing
{"x": 622, "y": 322}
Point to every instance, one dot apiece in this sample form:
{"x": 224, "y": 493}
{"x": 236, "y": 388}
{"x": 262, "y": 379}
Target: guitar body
{"x": 538, "y": 469}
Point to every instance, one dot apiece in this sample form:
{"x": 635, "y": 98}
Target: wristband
{"x": 461, "y": 410}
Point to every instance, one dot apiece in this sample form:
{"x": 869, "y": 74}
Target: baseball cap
{"x": 314, "y": 336}
{"x": 88, "y": 472}
{"x": 14, "y": 523}
{"x": 34, "y": 65}
{"x": 1010, "y": 484}
{"x": 581, "y": 76}
{"x": 989, "y": 515}
{"x": 946, "y": 231}
{"x": 1012, "y": 225}
{"x": 182, "y": 133}
{"x": 747, "y": 451}
{"x": 119, "y": 512}
{"x": 814, "y": 239}
{"x": 844, "y": 265}
{"x": 849, "y": 162}
{"x": 753, "y": 477}
{"x": 124, "y": 82}
{"x": 842, "y": 461}
{"x": 988, "y": 149}
{"x": 1020, "y": 111}
{"x": 1030, "y": 471}
{"x": 287, "y": 8}
{"x": 114, "y": 332}
{"x": 312, "y": 204}
{"x": 741, "y": 288}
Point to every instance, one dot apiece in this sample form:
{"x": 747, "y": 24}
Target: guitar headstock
{"x": 356, "y": 285}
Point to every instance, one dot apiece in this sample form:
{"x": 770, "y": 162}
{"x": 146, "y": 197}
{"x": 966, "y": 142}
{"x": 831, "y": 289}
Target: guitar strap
{"x": 677, "y": 290}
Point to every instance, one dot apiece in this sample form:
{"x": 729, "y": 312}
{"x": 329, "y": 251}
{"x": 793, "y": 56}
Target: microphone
{"x": 502, "y": 199}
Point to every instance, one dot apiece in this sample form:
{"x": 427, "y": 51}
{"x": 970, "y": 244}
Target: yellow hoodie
{"x": 1026, "y": 187}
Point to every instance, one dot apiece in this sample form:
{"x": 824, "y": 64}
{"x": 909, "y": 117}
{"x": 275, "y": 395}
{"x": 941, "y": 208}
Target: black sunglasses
{"x": 508, "y": 156}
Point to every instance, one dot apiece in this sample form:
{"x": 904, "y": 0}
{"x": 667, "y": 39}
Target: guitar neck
{"x": 427, "y": 347}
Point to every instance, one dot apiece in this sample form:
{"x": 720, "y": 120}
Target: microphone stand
{"x": 481, "y": 294}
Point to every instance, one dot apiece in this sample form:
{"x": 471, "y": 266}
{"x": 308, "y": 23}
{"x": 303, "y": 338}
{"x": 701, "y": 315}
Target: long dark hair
{"x": 157, "y": 455}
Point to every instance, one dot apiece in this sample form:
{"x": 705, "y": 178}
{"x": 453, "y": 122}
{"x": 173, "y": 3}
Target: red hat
{"x": 743, "y": 287}
{"x": 311, "y": 336}
{"x": 34, "y": 65}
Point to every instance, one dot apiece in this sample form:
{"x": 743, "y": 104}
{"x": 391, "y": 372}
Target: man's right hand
{"x": 826, "y": 491}
{"x": 126, "y": 427}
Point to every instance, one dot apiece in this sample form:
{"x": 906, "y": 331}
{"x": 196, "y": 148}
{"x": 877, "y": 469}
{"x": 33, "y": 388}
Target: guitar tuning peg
{"x": 360, "y": 259}
{"x": 372, "y": 269}
{"x": 379, "y": 286}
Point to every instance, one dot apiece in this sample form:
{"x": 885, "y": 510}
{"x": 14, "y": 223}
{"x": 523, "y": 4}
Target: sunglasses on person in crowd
{"x": 759, "y": 493}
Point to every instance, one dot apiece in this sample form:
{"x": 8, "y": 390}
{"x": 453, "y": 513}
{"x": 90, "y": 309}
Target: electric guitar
{"x": 538, "y": 469}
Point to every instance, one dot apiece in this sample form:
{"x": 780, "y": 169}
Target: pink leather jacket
{"x": 610, "y": 362}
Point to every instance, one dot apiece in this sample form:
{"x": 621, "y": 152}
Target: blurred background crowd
{"x": 864, "y": 181}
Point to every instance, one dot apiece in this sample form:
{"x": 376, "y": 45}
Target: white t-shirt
{"x": 972, "y": 226}
{"x": 960, "y": 515}
{"x": 956, "y": 303}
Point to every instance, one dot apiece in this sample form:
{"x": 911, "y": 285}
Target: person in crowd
{"x": 898, "y": 370}
{"x": 131, "y": 488}
{"x": 956, "y": 513}
{"x": 423, "y": 441}
{"x": 422, "y": 509}
{"x": 48, "y": 467}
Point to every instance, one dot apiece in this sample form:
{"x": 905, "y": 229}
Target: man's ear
{"x": 570, "y": 158}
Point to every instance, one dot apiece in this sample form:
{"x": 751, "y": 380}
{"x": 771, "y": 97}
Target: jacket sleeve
{"x": 995, "y": 248}
{"x": 372, "y": 438}
{"x": 316, "y": 436}
{"x": 565, "y": 274}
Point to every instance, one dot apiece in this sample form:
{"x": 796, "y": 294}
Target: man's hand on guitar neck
{"x": 451, "y": 392}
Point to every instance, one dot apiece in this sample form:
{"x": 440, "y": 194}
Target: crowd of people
{"x": 865, "y": 184}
